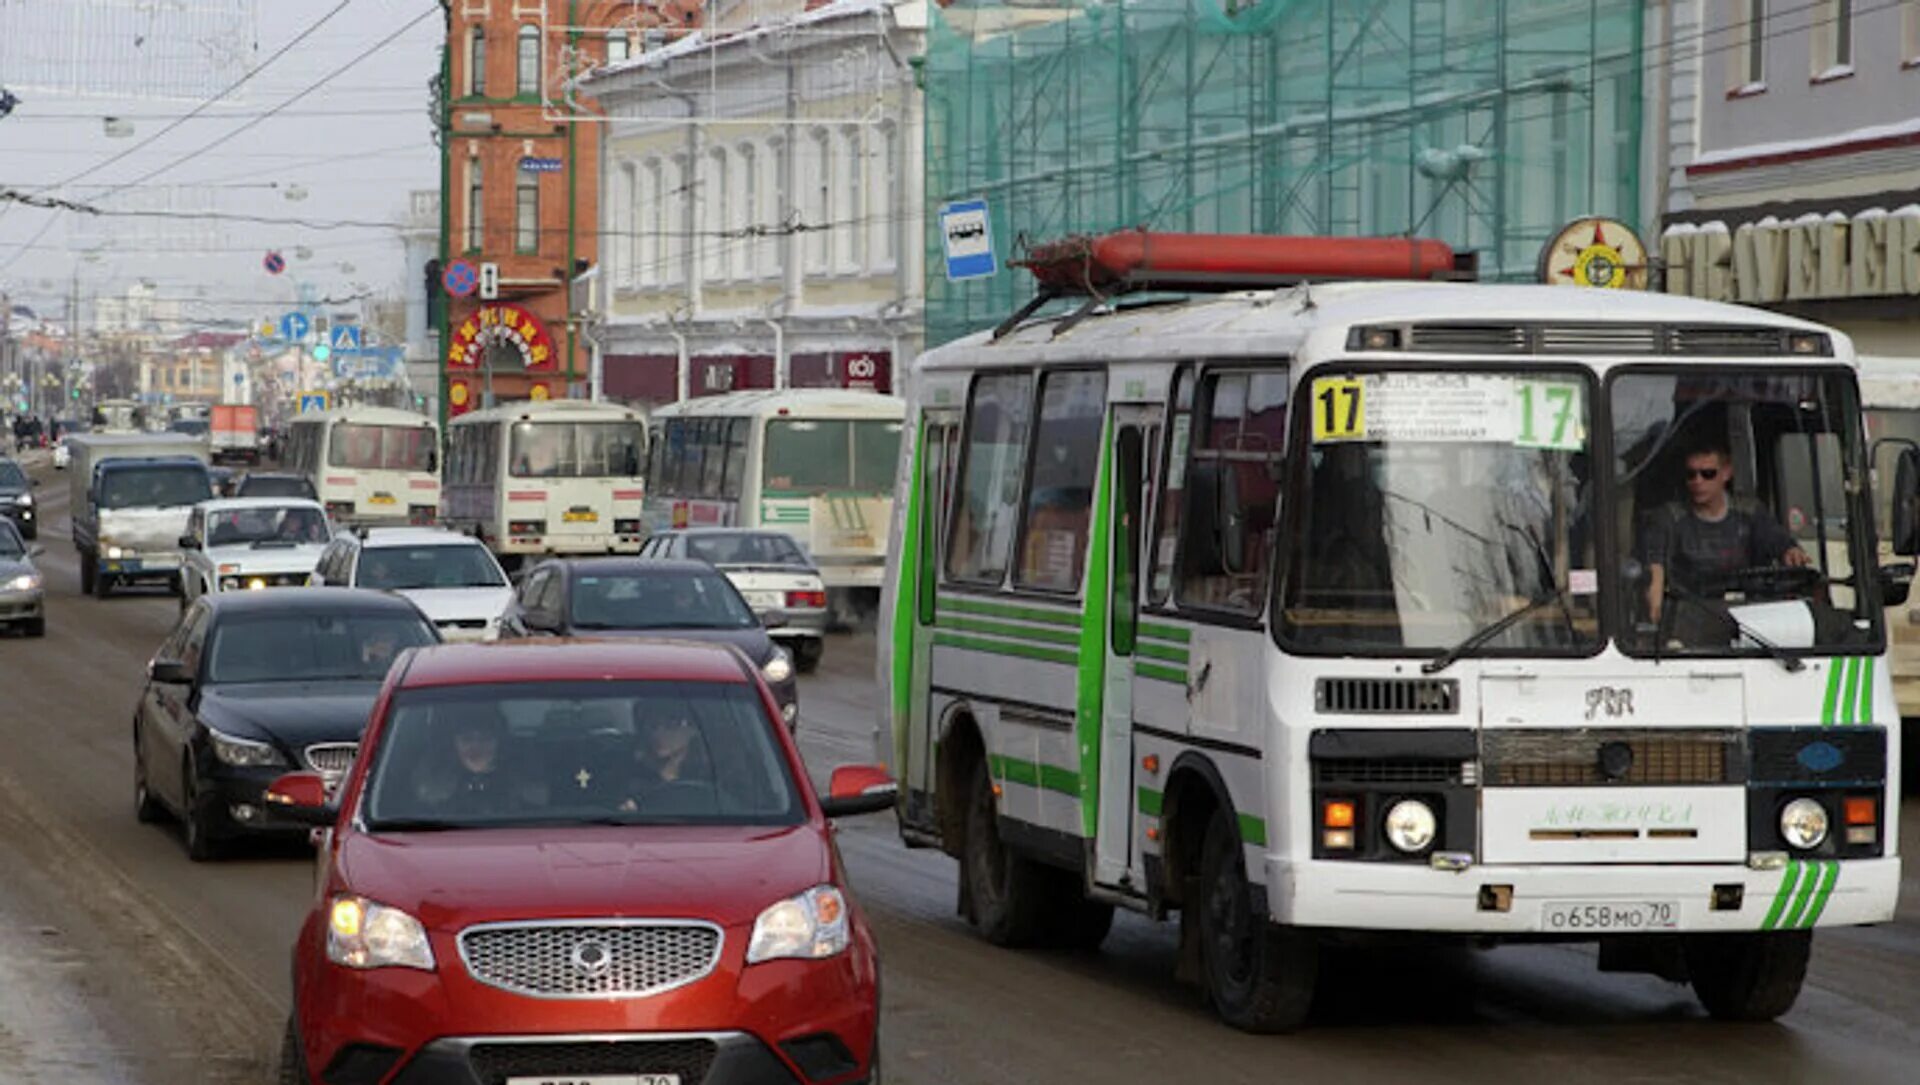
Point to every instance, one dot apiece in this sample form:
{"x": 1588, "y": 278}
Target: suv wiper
{"x": 1673, "y": 590}
{"x": 1485, "y": 634}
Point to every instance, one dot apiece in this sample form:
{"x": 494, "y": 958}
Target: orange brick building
{"x": 521, "y": 183}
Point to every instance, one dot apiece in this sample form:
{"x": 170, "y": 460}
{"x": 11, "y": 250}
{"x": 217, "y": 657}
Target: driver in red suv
{"x": 580, "y": 862}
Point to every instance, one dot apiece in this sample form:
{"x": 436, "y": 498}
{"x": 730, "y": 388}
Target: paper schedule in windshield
{"x": 1476, "y": 408}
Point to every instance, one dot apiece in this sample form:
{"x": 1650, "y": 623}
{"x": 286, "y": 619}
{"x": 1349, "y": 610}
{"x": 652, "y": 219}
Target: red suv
{"x": 592, "y": 864}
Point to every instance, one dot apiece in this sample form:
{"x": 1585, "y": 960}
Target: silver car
{"x": 23, "y": 601}
{"x": 770, "y": 571}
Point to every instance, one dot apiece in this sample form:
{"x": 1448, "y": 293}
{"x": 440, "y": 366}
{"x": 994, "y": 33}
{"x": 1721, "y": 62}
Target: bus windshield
{"x": 1442, "y": 508}
{"x": 372, "y": 447}
{"x": 576, "y": 449}
{"x": 1740, "y": 503}
{"x": 819, "y": 456}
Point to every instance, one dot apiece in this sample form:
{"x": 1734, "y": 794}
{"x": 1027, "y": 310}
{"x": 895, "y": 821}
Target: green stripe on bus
{"x": 1066, "y": 618}
{"x": 1160, "y": 674}
{"x": 906, "y": 613}
{"x": 1865, "y": 715}
{"x": 1253, "y": 830}
{"x": 1781, "y": 895}
{"x": 1809, "y": 875}
{"x": 1151, "y": 802}
{"x": 1834, "y": 667}
{"x": 1005, "y": 629}
{"x": 1820, "y": 895}
{"x": 1091, "y": 677}
{"x": 1173, "y": 633}
{"x": 1161, "y": 651}
{"x": 1006, "y": 648}
{"x": 1853, "y": 691}
{"x": 1034, "y": 774}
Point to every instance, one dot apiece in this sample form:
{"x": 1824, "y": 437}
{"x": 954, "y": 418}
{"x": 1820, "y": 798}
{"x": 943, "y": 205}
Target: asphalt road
{"x": 160, "y": 971}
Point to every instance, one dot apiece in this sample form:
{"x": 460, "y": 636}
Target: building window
{"x": 619, "y": 46}
{"x": 477, "y": 61}
{"x": 679, "y": 219}
{"x": 526, "y": 213}
{"x": 476, "y": 207}
{"x": 626, "y": 247}
{"x": 1748, "y": 67}
{"x": 1910, "y": 50}
{"x": 884, "y": 200}
{"x": 653, "y": 220}
{"x": 819, "y": 205}
{"x": 768, "y": 213}
{"x": 1832, "y": 39}
{"x": 850, "y": 226}
{"x": 528, "y": 68}
{"x": 745, "y": 208}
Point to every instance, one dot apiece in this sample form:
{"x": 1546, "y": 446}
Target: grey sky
{"x": 358, "y": 145}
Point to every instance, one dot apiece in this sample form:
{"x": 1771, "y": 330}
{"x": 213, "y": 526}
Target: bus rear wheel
{"x": 1006, "y": 892}
{"x": 1259, "y": 977}
{"x": 1750, "y": 976}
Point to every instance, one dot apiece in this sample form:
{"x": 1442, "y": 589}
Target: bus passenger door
{"x": 1136, "y": 431}
{"x": 911, "y": 679}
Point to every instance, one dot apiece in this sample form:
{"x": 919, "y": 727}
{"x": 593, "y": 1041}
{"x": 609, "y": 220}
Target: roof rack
{"x": 1130, "y": 261}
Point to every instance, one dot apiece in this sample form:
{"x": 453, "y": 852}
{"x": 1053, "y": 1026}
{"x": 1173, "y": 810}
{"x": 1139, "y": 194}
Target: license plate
{"x": 1579, "y": 917}
{"x": 596, "y": 1079}
{"x": 380, "y": 499}
{"x": 587, "y": 516}
{"x": 854, "y": 542}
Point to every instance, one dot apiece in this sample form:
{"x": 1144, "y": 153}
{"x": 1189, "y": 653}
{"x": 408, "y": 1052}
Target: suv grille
{"x": 1383, "y": 696}
{"x": 590, "y": 959}
{"x": 497, "y": 1063}
{"x": 1573, "y": 758}
{"x": 332, "y": 760}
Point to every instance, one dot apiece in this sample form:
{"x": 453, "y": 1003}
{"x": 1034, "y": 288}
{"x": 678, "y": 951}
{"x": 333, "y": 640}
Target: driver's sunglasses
{"x": 1708, "y": 473}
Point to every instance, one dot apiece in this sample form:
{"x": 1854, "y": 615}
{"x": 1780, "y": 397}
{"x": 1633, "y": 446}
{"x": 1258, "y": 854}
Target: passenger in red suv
{"x": 493, "y": 912}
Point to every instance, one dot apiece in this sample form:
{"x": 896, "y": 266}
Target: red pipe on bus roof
{"x": 1139, "y": 258}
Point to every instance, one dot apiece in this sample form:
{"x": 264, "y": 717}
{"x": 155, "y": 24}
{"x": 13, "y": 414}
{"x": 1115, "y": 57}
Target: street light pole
{"x": 444, "y": 121}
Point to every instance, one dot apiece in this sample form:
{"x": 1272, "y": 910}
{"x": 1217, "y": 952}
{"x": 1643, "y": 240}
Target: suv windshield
{"x": 154, "y": 487}
{"x": 285, "y": 524}
{"x": 408, "y": 568}
{"x": 1438, "y": 505}
{"x": 1740, "y": 512}
{"x": 311, "y": 647}
{"x": 661, "y": 600}
{"x": 759, "y": 548}
{"x": 11, "y": 477}
{"x": 625, "y": 753}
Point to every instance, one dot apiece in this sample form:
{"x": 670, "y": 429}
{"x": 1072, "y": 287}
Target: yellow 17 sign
{"x": 1339, "y": 409}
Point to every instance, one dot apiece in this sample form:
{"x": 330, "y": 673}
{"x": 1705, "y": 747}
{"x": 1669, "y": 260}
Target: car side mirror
{"x": 774, "y": 619}
{"x": 1896, "y": 583}
{"x": 188, "y": 542}
{"x": 300, "y": 798}
{"x": 859, "y": 789}
{"x": 1905, "y": 529}
{"x": 171, "y": 672}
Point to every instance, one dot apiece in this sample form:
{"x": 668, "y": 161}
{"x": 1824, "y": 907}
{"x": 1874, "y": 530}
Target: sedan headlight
{"x": 1803, "y": 823}
{"x": 23, "y": 499}
{"x": 810, "y": 926}
{"x": 243, "y": 752}
{"x": 779, "y": 668}
{"x": 1410, "y": 825}
{"x": 362, "y": 934}
{"x": 24, "y": 582}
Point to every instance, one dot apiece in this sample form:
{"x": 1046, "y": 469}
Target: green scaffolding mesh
{"x": 1484, "y": 123}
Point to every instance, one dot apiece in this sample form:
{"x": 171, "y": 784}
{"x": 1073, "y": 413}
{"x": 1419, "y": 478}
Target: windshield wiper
{"x": 1792, "y": 664}
{"x": 1482, "y": 636}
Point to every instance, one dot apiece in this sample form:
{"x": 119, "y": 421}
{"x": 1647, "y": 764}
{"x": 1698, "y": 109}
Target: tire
{"x": 147, "y": 810}
{"x": 1259, "y": 977}
{"x": 1075, "y": 923}
{"x": 807, "y": 653}
{"x": 1748, "y": 977}
{"x": 89, "y": 572}
{"x": 1006, "y": 892}
{"x": 35, "y": 627}
{"x": 293, "y": 1068}
{"x": 196, "y": 822}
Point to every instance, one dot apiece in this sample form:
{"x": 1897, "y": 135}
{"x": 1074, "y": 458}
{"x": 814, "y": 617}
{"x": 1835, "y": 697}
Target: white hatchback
{"x": 454, "y": 579}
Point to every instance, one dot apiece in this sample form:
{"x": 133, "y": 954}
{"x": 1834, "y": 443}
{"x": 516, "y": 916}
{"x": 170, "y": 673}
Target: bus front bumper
{"x": 1550, "y": 901}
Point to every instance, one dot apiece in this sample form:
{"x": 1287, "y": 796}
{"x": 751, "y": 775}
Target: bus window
{"x": 876, "y": 455}
{"x": 392, "y": 448}
{"x": 736, "y": 468}
{"x": 1233, "y": 484}
{"x": 1060, "y": 496}
{"x": 713, "y": 470}
{"x": 1173, "y": 496}
{"x": 575, "y": 449}
{"x": 808, "y": 455}
{"x": 998, "y": 415}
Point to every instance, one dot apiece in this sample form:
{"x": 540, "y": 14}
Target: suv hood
{"x": 450, "y": 880}
{"x": 268, "y": 559}
{"x": 460, "y": 604}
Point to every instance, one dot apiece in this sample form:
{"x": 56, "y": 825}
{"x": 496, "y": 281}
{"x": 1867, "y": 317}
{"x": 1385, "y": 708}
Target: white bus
{"x": 1331, "y": 610}
{"x": 369, "y": 465}
{"x": 815, "y": 463}
{"x": 1890, "y": 394}
{"x": 554, "y": 477}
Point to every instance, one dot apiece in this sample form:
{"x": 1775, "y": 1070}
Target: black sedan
{"x": 630, "y": 597}
{"x": 252, "y": 684}
{"x": 16, "y": 499}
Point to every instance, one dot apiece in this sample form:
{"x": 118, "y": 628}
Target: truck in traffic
{"x": 132, "y": 495}
{"x": 119, "y": 416}
{"x": 235, "y": 434}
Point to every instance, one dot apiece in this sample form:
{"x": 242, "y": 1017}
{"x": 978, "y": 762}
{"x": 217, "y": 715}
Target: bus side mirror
{"x": 433, "y": 461}
{"x": 1896, "y": 583}
{"x": 1904, "y": 531}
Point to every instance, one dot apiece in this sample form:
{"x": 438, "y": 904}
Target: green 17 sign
{"x": 1547, "y": 414}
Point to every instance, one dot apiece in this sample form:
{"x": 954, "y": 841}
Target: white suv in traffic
{"x": 453, "y": 578}
{"x": 250, "y": 543}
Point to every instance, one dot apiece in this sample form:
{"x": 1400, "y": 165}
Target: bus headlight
{"x": 1803, "y": 824}
{"x": 1411, "y": 826}
{"x": 779, "y": 668}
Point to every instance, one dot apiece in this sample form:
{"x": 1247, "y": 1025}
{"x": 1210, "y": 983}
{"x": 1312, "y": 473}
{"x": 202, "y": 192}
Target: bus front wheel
{"x": 1259, "y": 976}
{"x": 1005, "y": 892}
{"x": 1748, "y": 977}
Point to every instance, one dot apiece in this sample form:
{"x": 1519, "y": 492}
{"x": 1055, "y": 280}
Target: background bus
{"x": 558, "y": 477}
{"x": 370, "y": 465}
{"x": 815, "y": 463}
{"x": 1890, "y": 397}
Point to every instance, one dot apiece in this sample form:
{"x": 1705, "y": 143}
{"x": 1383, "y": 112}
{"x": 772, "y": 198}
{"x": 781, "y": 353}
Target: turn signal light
{"x": 1861, "y": 810}
{"x": 1337, "y": 815}
{"x": 1337, "y": 839}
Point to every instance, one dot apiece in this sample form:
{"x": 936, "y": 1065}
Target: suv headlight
{"x": 779, "y": 668}
{"x": 23, "y": 499}
{"x": 810, "y": 926}
{"x": 243, "y": 752}
{"x": 24, "y": 582}
{"x": 362, "y": 934}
